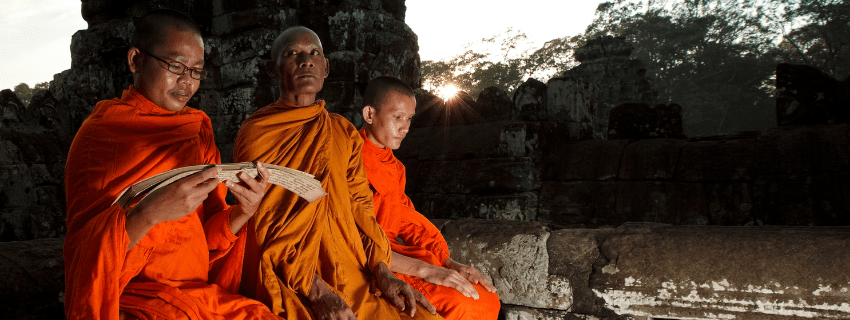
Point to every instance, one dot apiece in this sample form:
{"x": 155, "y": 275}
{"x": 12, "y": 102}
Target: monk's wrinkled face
{"x": 390, "y": 123}
{"x": 153, "y": 79}
{"x": 301, "y": 66}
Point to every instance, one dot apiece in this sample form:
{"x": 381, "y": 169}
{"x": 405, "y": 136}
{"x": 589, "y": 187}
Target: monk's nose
{"x": 305, "y": 61}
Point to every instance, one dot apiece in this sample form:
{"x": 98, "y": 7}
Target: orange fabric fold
{"x": 289, "y": 240}
{"x": 189, "y": 268}
{"x": 420, "y": 239}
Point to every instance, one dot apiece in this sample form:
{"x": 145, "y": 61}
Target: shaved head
{"x": 378, "y": 90}
{"x": 151, "y": 29}
{"x": 287, "y": 35}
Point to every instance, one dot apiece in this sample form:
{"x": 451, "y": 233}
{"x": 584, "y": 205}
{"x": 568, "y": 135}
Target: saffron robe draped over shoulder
{"x": 337, "y": 238}
{"x": 188, "y": 268}
{"x": 420, "y": 238}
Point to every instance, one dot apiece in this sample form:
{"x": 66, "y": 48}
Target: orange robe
{"x": 189, "y": 268}
{"x": 421, "y": 239}
{"x": 289, "y": 240}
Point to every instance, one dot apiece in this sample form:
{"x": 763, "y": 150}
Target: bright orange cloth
{"x": 336, "y": 237}
{"x": 422, "y": 240}
{"x": 184, "y": 269}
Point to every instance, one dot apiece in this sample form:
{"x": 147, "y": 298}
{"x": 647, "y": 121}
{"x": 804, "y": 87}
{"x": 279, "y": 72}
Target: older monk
{"x": 421, "y": 258}
{"x": 176, "y": 254}
{"x": 328, "y": 259}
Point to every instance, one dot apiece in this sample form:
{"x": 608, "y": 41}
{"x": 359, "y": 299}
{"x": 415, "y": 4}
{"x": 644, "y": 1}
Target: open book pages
{"x": 301, "y": 183}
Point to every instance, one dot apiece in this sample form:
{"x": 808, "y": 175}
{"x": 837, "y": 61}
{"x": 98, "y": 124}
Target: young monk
{"x": 176, "y": 254}
{"x": 328, "y": 259}
{"x": 457, "y": 291}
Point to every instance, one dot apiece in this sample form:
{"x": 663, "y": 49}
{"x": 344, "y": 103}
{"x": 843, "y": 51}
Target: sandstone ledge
{"x": 638, "y": 271}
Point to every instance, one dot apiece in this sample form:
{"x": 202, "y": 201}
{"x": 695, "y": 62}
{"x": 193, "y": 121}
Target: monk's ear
{"x": 369, "y": 114}
{"x": 134, "y": 59}
{"x": 271, "y": 69}
{"x": 327, "y": 68}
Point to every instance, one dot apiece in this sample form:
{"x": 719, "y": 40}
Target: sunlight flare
{"x": 446, "y": 92}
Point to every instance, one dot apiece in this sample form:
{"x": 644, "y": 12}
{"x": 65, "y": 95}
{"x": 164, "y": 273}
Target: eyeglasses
{"x": 180, "y": 69}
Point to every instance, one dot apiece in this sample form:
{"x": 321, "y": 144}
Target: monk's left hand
{"x": 400, "y": 294}
{"x": 249, "y": 192}
{"x": 471, "y": 274}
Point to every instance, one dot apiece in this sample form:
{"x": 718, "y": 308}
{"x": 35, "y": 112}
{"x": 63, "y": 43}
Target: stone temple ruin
{"x": 579, "y": 197}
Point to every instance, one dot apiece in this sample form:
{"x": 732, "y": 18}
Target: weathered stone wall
{"x": 635, "y": 271}
{"x": 790, "y": 175}
{"x": 34, "y": 140}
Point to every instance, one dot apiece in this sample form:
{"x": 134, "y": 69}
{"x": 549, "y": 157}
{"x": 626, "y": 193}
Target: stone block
{"x": 662, "y": 202}
{"x": 806, "y": 95}
{"x": 45, "y": 114}
{"x": 107, "y": 40}
{"x": 800, "y": 199}
{"x": 651, "y": 159}
{"x": 480, "y": 176}
{"x": 575, "y": 254}
{"x": 589, "y": 203}
{"x": 263, "y": 17}
{"x": 31, "y": 222}
{"x": 568, "y": 99}
{"x": 582, "y": 161}
{"x": 343, "y": 98}
{"x": 513, "y": 312}
{"x": 246, "y": 45}
{"x": 514, "y": 257}
{"x": 227, "y": 126}
{"x": 493, "y": 104}
{"x": 511, "y": 207}
{"x": 800, "y": 149}
{"x": 530, "y": 101}
{"x": 9, "y": 152}
{"x": 39, "y": 147}
{"x": 717, "y": 161}
{"x": 235, "y": 101}
{"x": 730, "y": 204}
{"x": 248, "y": 72}
{"x": 486, "y": 140}
{"x": 725, "y": 273}
{"x": 640, "y": 121}
{"x": 33, "y": 284}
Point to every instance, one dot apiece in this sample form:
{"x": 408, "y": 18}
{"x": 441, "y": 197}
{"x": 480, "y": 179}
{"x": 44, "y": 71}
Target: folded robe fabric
{"x": 421, "y": 239}
{"x": 188, "y": 268}
{"x": 289, "y": 240}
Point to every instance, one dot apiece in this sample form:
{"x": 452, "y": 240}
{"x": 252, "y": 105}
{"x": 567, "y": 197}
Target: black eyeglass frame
{"x": 201, "y": 73}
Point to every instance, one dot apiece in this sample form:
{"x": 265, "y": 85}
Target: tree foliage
{"x": 716, "y": 58}
{"x": 25, "y": 93}
{"x": 499, "y": 61}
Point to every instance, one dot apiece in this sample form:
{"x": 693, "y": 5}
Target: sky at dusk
{"x": 35, "y": 35}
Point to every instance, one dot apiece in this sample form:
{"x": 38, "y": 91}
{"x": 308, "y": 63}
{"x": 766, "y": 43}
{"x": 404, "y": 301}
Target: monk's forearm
{"x": 408, "y": 266}
{"x": 238, "y": 219}
{"x": 137, "y": 226}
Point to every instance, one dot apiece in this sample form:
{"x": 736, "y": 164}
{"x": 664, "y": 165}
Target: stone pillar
{"x": 609, "y": 78}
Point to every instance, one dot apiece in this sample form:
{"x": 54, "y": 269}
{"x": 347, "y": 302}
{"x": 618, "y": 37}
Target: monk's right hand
{"x": 326, "y": 304}
{"x": 449, "y": 278}
{"x": 177, "y": 199}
